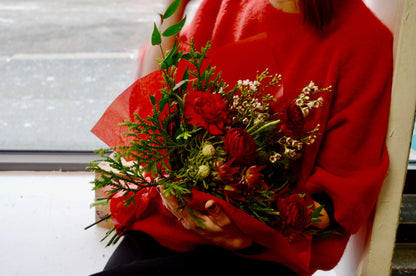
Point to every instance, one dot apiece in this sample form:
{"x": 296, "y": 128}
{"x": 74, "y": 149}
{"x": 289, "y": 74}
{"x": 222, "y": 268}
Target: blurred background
{"x": 62, "y": 63}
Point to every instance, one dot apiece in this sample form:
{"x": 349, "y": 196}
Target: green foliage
{"x": 174, "y": 29}
{"x": 156, "y": 37}
{"x": 171, "y": 9}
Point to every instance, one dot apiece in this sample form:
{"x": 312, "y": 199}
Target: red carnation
{"x": 208, "y": 111}
{"x": 240, "y": 146}
{"x": 294, "y": 211}
{"x": 293, "y": 121}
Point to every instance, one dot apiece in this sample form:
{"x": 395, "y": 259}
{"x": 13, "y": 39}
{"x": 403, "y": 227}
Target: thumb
{"x": 216, "y": 213}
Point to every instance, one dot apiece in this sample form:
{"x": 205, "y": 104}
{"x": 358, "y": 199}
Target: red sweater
{"x": 353, "y": 54}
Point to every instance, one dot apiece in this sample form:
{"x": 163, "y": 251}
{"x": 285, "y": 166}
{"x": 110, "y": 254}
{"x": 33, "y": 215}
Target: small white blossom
{"x": 311, "y": 105}
{"x": 203, "y": 171}
{"x": 312, "y": 86}
{"x": 208, "y": 150}
{"x": 305, "y": 90}
{"x": 290, "y": 152}
{"x": 305, "y": 111}
{"x": 275, "y": 157}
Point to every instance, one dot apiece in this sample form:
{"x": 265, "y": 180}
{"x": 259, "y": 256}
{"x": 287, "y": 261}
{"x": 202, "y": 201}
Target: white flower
{"x": 312, "y": 86}
{"x": 297, "y": 144}
{"x": 253, "y": 86}
{"x": 306, "y": 90}
{"x": 311, "y": 105}
{"x": 316, "y": 104}
{"x": 208, "y": 150}
{"x": 290, "y": 152}
{"x": 203, "y": 171}
{"x": 275, "y": 157}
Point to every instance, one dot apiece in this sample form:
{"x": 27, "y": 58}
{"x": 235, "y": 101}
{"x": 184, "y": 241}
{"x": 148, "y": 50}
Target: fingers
{"x": 324, "y": 217}
{"x": 170, "y": 203}
{"x": 217, "y": 214}
{"x": 219, "y": 229}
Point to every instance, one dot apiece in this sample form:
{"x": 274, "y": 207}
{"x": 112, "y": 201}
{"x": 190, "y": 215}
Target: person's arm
{"x": 352, "y": 159}
{"x": 149, "y": 63}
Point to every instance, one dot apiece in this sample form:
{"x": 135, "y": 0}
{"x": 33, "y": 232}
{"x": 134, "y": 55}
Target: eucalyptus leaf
{"x": 156, "y": 37}
{"x": 173, "y": 7}
{"x": 174, "y": 29}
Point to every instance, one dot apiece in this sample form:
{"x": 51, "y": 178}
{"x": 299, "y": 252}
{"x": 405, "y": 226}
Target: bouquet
{"x": 201, "y": 135}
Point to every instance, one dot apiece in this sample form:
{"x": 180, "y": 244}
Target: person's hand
{"x": 219, "y": 229}
{"x": 325, "y": 221}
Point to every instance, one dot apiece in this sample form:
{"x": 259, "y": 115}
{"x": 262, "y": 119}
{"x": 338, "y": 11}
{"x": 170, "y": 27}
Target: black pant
{"x": 139, "y": 254}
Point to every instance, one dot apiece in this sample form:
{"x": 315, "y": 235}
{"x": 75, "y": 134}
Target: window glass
{"x": 62, "y": 63}
{"x": 413, "y": 148}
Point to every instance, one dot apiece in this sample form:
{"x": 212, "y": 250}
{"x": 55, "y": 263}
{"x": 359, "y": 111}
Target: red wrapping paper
{"x": 236, "y": 62}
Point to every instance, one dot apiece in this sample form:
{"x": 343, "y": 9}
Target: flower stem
{"x": 272, "y": 123}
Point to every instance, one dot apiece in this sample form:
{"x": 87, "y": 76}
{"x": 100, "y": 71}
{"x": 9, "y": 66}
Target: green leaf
{"x": 171, "y": 9}
{"x": 317, "y": 212}
{"x": 152, "y": 99}
{"x": 156, "y": 37}
{"x": 180, "y": 84}
{"x": 187, "y": 56}
{"x": 184, "y": 87}
{"x": 163, "y": 102}
{"x": 172, "y": 58}
{"x": 174, "y": 29}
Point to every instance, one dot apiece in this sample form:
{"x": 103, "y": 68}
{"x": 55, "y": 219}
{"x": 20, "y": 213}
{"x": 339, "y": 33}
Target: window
{"x": 61, "y": 64}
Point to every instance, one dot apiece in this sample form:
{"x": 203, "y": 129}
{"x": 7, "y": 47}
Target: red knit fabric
{"x": 349, "y": 160}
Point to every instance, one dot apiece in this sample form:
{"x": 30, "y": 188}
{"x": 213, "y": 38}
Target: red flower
{"x": 226, "y": 172}
{"x": 240, "y": 146}
{"x": 208, "y": 111}
{"x": 293, "y": 121}
{"x": 254, "y": 177}
{"x": 294, "y": 212}
{"x": 249, "y": 184}
{"x": 233, "y": 193}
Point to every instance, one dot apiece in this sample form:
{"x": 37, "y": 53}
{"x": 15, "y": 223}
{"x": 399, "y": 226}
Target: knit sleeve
{"x": 353, "y": 160}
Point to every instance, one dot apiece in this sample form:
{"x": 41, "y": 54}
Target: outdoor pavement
{"x": 62, "y": 62}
